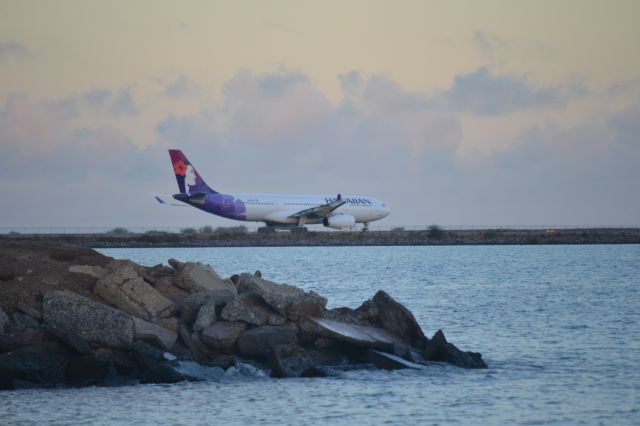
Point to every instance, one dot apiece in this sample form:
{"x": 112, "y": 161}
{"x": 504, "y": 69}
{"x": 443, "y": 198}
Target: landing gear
{"x": 365, "y": 227}
{"x": 267, "y": 230}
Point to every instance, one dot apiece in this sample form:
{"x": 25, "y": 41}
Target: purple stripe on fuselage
{"x": 224, "y": 205}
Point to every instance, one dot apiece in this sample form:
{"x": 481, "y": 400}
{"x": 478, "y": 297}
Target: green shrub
{"x": 188, "y": 231}
{"x": 435, "y": 232}
{"x": 119, "y": 231}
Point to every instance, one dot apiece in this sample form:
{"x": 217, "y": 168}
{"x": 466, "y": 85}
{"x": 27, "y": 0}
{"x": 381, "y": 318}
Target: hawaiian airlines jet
{"x": 276, "y": 211}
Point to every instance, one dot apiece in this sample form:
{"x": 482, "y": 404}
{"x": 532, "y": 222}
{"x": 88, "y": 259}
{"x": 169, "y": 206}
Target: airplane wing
{"x": 320, "y": 211}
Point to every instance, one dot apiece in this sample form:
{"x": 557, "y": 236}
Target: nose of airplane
{"x": 384, "y": 211}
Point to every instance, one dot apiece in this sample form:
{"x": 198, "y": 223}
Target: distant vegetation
{"x": 434, "y": 232}
{"x": 188, "y": 231}
{"x": 492, "y": 234}
{"x": 398, "y": 229}
{"x": 119, "y": 231}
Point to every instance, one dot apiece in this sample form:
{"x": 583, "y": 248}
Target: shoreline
{"x": 577, "y": 236}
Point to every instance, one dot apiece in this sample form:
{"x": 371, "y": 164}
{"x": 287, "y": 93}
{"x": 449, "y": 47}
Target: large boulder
{"x": 154, "y": 333}
{"x": 222, "y": 334}
{"x": 167, "y": 288}
{"x": 41, "y": 364}
{"x": 291, "y": 361}
{"x": 385, "y": 312}
{"x": 88, "y": 319}
{"x": 252, "y": 309}
{"x": 258, "y": 343}
{"x": 291, "y": 302}
{"x": 196, "y": 277}
{"x": 438, "y": 349}
{"x": 86, "y": 370}
{"x": 123, "y": 287}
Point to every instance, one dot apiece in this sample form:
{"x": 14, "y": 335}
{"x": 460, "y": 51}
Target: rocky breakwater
{"x": 70, "y": 316}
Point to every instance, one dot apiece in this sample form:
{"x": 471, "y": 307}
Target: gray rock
{"x": 175, "y": 264}
{"x": 90, "y": 320}
{"x": 32, "y": 311}
{"x": 258, "y": 343}
{"x": 191, "y": 306}
{"x": 162, "y": 373}
{"x": 195, "y": 351}
{"x": 86, "y": 370}
{"x": 166, "y": 287}
{"x": 154, "y": 333}
{"x": 23, "y": 321}
{"x": 4, "y": 321}
{"x": 19, "y": 339}
{"x": 438, "y": 349}
{"x": 42, "y": 364}
{"x": 250, "y": 308}
{"x": 222, "y": 334}
{"x": 196, "y": 277}
{"x": 291, "y": 361}
{"x": 291, "y": 302}
{"x": 124, "y": 288}
{"x": 399, "y": 320}
{"x": 206, "y": 316}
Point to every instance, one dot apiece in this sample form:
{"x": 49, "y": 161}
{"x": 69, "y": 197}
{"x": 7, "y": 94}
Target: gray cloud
{"x": 482, "y": 93}
{"x": 12, "y": 50}
{"x": 180, "y": 88}
{"x": 278, "y": 133}
{"x": 100, "y": 102}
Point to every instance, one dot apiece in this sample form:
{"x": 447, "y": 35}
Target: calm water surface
{"x": 559, "y": 327}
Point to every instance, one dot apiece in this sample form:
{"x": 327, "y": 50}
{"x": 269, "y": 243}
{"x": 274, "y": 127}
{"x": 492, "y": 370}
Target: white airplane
{"x": 276, "y": 211}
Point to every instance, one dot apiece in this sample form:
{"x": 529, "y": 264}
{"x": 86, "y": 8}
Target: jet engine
{"x": 339, "y": 221}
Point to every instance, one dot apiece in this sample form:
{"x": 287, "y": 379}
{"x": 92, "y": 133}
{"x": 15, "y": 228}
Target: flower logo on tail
{"x": 180, "y": 168}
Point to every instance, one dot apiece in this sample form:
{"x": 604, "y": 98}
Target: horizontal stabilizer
{"x": 167, "y": 200}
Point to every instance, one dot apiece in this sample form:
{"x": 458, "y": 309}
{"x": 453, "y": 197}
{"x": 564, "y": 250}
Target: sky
{"x": 463, "y": 113}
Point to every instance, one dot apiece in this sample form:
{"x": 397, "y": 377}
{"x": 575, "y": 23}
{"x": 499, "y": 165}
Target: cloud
{"x": 482, "y": 93}
{"x": 41, "y": 143}
{"x": 100, "y": 102}
{"x": 277, "y": 132}
{"x": 180, "y": 88}
{"x": 280, "y": 125}
{"x": 12, "y": 50}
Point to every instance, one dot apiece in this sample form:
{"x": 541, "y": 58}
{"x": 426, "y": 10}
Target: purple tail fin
{"x": 189, "y": 180}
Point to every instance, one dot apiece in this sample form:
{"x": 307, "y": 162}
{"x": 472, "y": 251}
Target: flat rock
{"x": 387, "y": 361}
{"x": 222, "y": 334}
{"x": 359, "y": 335}
{"x": 93, "y": 271}
{"x": 252, "y": 309}
{"x": 88, "y": 319}
{"x": 147, "y": 331}
{"x": 196, "y": 277}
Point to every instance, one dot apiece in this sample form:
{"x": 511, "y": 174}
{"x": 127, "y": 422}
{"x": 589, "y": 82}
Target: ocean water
{"x": 559, "y": 327}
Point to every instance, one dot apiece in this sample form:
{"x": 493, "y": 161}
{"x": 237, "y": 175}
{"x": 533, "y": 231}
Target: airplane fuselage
{"x": 278, "y": 209}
